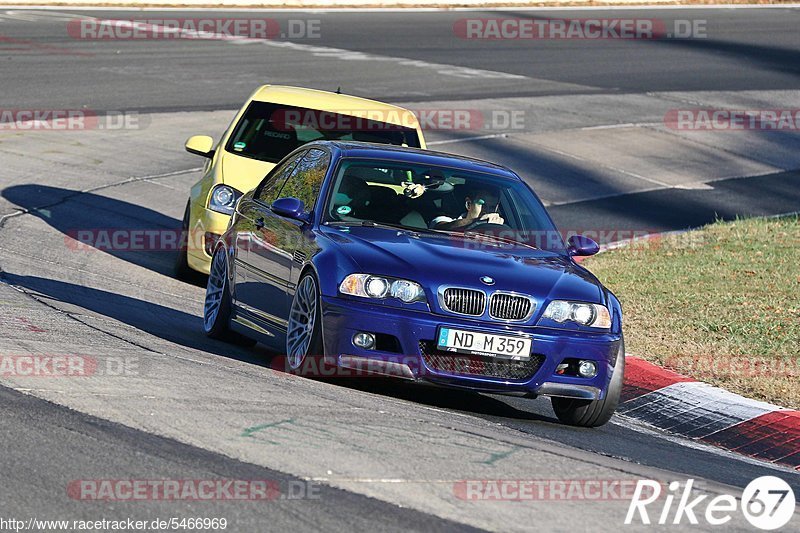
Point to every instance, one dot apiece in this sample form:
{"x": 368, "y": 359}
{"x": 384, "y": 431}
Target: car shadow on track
{"x": 620, "y": 212}
{"x": 676, "y": 209}
{"x": 164, "y": 322}
{"x": 749, "y": 55}
{"x": 131, "y": 232}
{"x": 445, "y": 398}
{"x": 186, "y": 330}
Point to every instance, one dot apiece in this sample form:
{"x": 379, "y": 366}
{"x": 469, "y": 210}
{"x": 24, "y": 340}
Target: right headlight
{"x": 591, "y": 315}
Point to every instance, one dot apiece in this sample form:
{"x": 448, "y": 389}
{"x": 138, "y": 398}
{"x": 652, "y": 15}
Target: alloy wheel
{"x": 302, "y": 319}
{"x": 216, "y": 284}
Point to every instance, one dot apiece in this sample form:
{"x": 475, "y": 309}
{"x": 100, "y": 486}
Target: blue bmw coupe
{"x": 421, "y": 265}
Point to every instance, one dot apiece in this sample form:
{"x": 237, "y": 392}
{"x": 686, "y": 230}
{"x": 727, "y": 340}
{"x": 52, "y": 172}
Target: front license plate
{"x": 474, "y": 343}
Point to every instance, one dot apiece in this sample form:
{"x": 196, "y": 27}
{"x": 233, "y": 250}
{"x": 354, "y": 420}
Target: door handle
{"x": 260, "y": 223}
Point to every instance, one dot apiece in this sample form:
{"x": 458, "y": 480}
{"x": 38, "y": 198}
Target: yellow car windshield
{"x": 269, "y": 131}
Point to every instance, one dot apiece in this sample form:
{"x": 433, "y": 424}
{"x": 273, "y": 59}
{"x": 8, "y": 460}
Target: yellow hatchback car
{"x": 274, "y": 121}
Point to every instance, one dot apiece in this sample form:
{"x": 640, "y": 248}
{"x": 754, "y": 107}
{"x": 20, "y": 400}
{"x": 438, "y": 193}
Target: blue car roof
{"x": 413, "y": 155}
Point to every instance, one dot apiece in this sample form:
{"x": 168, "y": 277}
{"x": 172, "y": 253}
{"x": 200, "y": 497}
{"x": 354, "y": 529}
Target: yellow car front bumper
{"x": 206, "y": 227}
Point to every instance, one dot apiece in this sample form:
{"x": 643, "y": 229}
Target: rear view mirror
{"x": 289, "y": 208}
{"x": 580, "y": 245}
{"x": 201, "y": 145}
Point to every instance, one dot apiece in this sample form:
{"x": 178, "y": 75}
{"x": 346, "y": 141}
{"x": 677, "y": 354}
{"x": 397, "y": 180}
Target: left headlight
{"x": 591, "y": 315}
{"x": 223, "y": 199}
{"x": 379, "y": 287}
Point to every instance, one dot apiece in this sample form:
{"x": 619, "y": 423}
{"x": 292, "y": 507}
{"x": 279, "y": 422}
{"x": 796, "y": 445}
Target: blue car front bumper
{"x": 415, "y": 355}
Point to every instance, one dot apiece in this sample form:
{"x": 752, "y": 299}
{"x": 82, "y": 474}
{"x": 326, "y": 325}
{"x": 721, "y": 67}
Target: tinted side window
{"x": 271, "y": 186}
{"x": 306, "y": 178}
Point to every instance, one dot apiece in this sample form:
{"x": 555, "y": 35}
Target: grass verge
{"x": 720, "y": 304}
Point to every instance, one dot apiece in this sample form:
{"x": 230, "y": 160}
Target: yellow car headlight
{"x": 223, "y": 199}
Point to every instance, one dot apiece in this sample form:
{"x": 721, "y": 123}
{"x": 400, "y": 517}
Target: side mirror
{"x": 289, "y": 208}
{"x": 201, "y": 145}
{"x": 580, "y": 245}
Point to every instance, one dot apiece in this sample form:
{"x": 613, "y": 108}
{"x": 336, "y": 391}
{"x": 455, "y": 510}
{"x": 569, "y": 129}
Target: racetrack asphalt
{"x": 593, "y": 144}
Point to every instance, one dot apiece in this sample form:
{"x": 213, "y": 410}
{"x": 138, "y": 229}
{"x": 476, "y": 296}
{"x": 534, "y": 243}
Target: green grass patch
{"x": 721, "y": 304}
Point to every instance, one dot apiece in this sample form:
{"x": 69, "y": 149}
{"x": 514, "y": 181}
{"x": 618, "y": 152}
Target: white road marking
{"x": 620, "y": 126}
{"x": 101, "y": 276}
{"x": 19, "y": 15}
{"x": 81, "y": 393}
{"x": 352, "y": 55}
{"x": 160, "y": 184}
{"x": 467, "y": 139}
{"x": 38, "y": 16}
{"x": 705, "y": 185}
{"x": 318, "y": 51}
{"x": 609, "y": 167}
{"x": 695, "y": 186}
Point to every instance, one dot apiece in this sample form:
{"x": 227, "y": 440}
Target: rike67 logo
{"x": 767, "y": 503}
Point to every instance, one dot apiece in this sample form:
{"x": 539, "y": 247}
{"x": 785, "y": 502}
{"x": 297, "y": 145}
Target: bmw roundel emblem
{"x": 487, "y": 280}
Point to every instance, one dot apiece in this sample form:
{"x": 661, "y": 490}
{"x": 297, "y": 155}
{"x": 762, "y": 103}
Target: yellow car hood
{"x": 243, "y": 173}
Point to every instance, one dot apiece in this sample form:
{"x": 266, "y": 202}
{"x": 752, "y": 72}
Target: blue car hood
{"x": 435, "y": 260}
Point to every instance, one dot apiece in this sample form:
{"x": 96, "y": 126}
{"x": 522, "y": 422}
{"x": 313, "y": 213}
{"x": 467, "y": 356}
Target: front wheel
{"x": 594, "y": 413}
{"x": 304, "y": 331}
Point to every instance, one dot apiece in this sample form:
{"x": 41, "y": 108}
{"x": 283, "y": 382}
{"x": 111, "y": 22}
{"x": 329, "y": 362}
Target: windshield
{"x": 439, "y": 199}
{"x": 269, "y": 131}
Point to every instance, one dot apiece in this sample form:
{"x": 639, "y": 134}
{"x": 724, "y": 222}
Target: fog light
{"x": 587, "y": 369}
{"x": 364, "y": 340}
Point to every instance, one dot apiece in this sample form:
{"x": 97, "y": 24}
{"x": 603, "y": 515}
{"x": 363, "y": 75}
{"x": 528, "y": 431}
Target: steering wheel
{"x": 440, "y": 185}
{"x": 480, "y": 222}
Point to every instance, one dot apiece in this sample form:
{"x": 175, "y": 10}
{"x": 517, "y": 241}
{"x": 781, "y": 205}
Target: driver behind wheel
{"x": 481, "y": 204}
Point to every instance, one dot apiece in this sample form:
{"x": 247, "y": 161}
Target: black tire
{"x": 594, "y": 413}
{"x": 182, "y": 269}
{"x": 315, "y": 346}
{"x": 219, "y": 327}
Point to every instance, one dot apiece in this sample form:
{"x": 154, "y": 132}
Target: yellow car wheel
{"x": 182, "y": 269}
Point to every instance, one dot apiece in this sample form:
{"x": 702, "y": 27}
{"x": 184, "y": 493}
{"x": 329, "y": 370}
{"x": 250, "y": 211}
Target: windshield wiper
{"x": 430, "y": 231}
{"x": 370, "y": 224}
{"x": 476, "y": 235}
